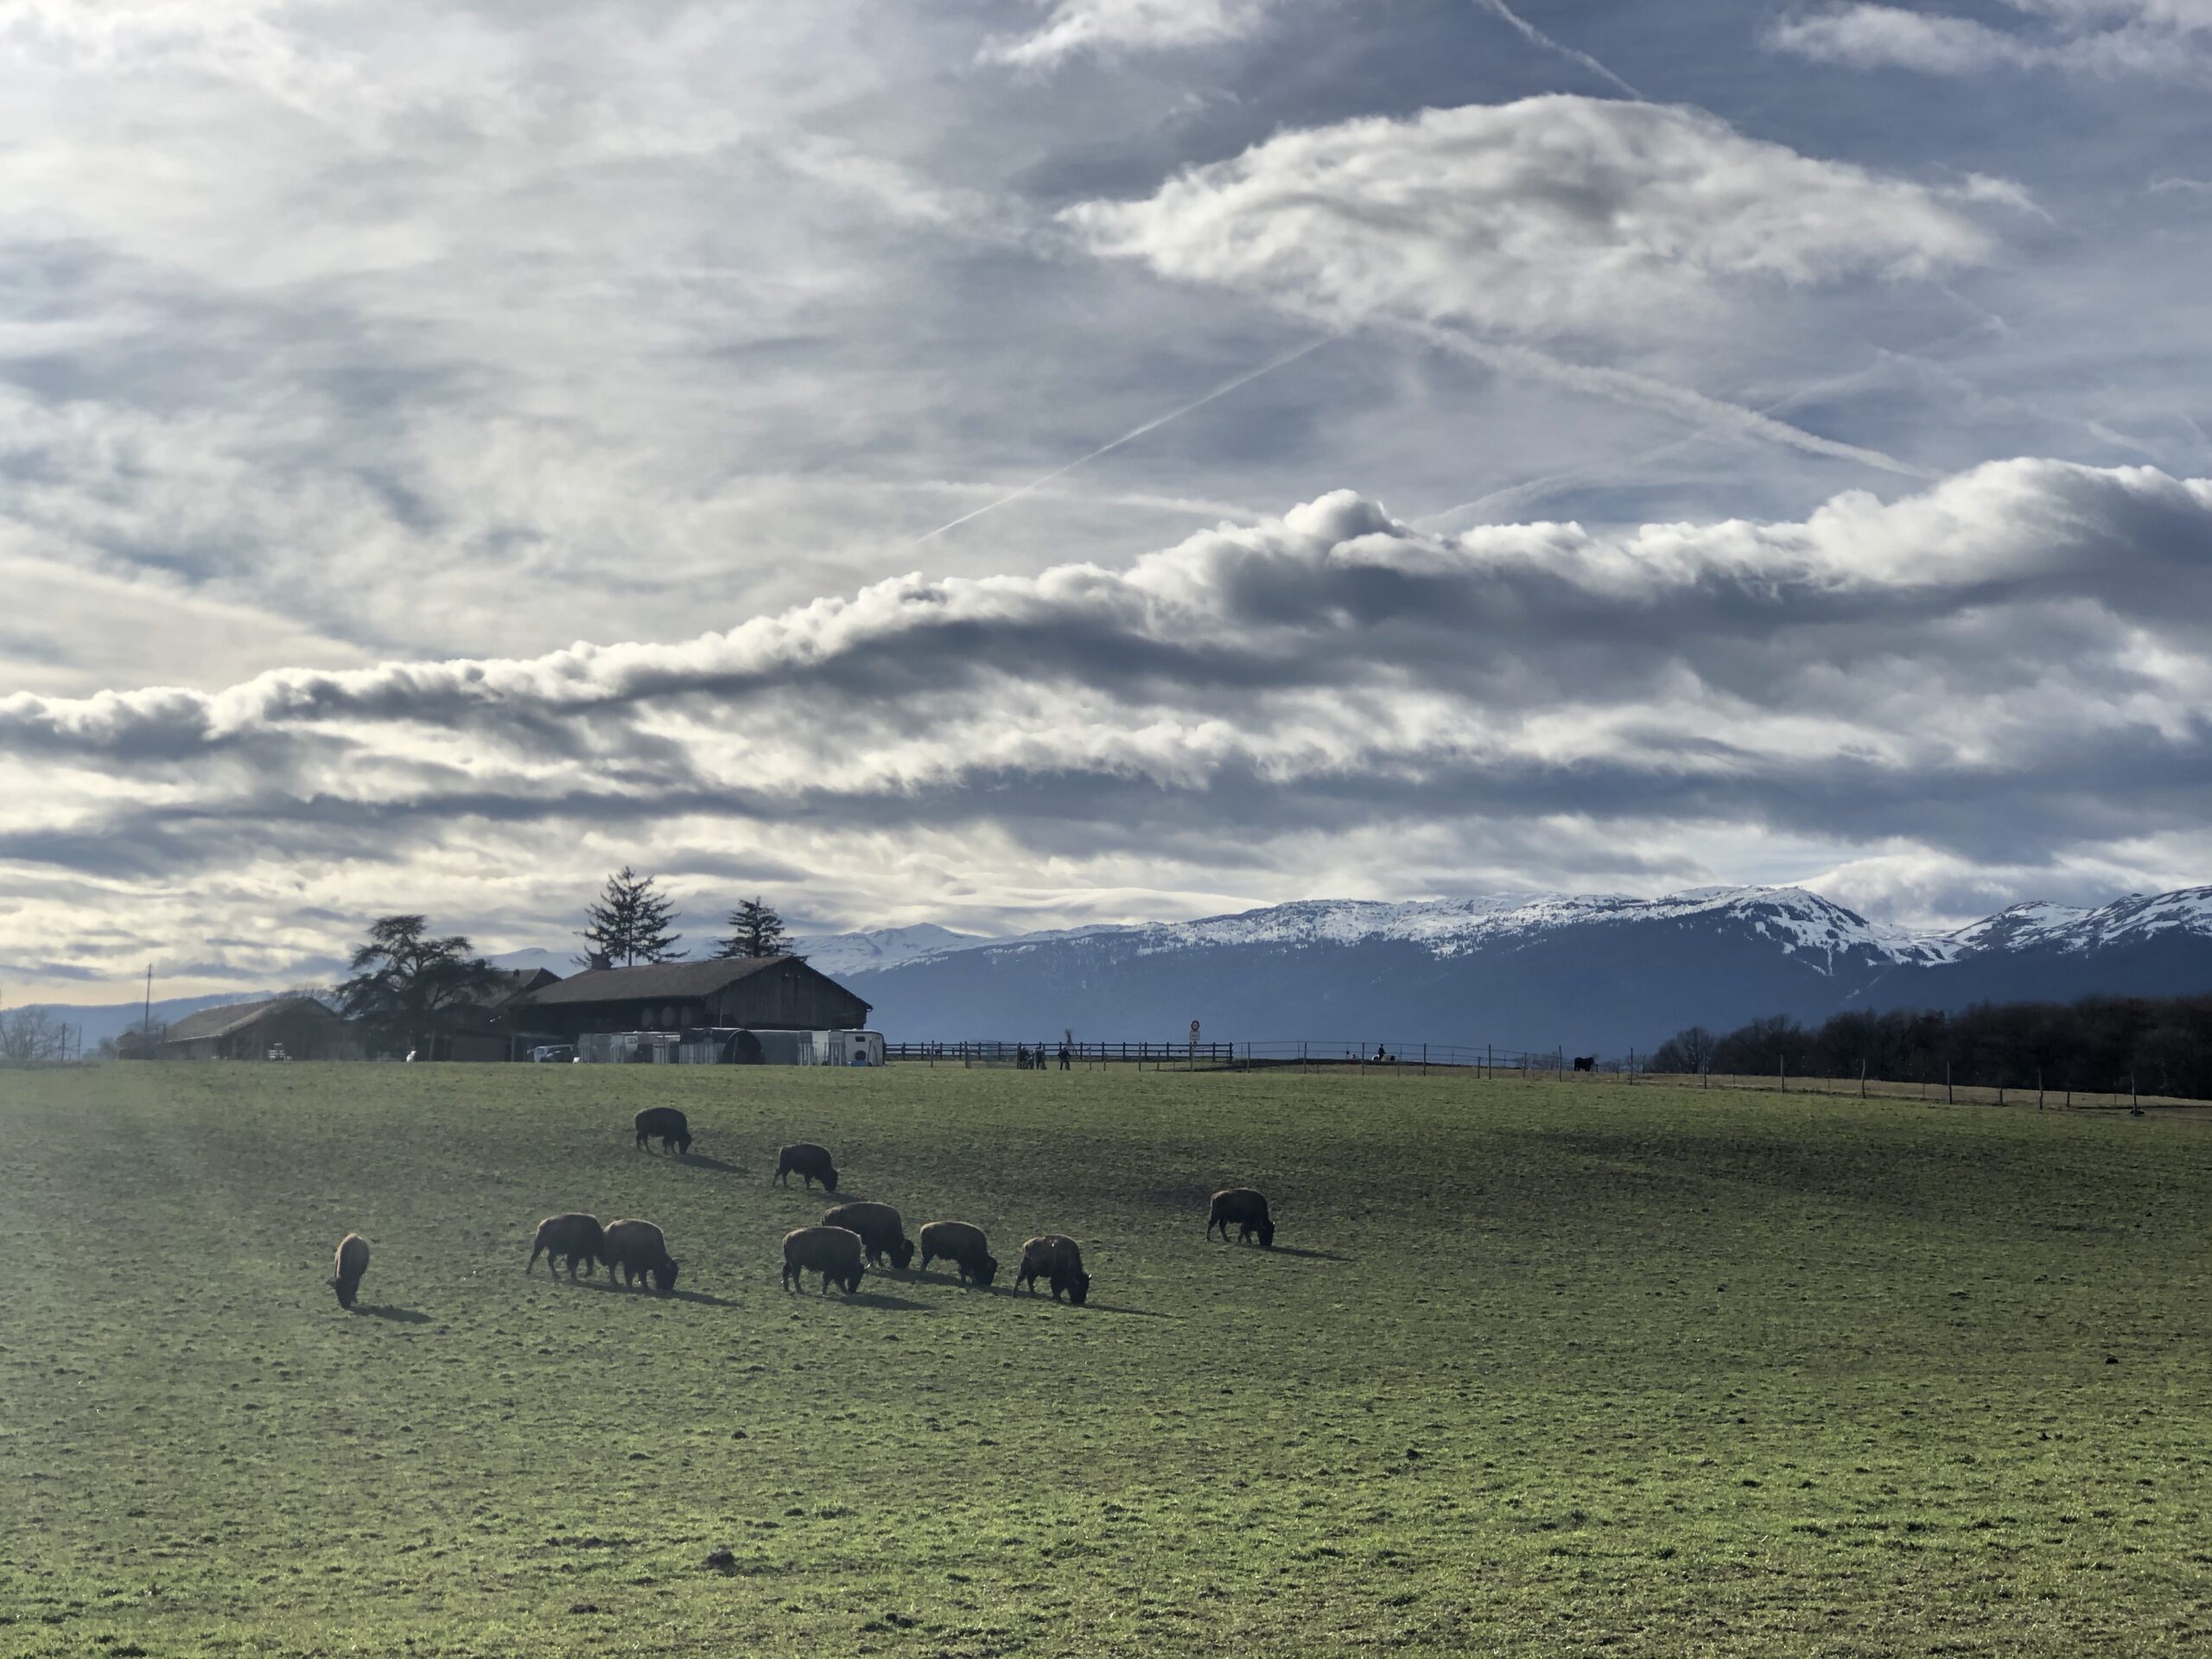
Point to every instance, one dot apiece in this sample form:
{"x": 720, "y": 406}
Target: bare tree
{"x": 32, "y": 1037}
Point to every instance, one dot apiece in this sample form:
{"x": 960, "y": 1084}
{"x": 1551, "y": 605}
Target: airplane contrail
{"x": 1134, "y": 433}
{"x": 1641, "y": 392}
{"x": 1536, "y": 36}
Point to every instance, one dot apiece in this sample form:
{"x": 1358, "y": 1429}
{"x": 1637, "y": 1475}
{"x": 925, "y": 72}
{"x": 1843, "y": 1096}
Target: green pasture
{"x": 1533, "y": 1369}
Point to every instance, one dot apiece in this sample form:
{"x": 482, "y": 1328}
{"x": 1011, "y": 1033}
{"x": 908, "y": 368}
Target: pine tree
{"x": 755, "y": 930}
{"x": 629, "y": 924}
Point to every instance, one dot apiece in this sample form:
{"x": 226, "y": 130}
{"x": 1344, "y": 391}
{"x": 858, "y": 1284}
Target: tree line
{"x": 2099, "y": 1043}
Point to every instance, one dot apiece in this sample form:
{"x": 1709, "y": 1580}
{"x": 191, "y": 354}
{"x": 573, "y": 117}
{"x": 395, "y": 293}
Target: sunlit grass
{"x": 1533, "y": 1369}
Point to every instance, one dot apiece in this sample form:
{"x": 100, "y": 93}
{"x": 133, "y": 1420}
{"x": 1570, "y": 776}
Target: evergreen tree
{"x": 404, "y": 981}
{"x": 629, "y": 924}
{"x": 755, "y": 930}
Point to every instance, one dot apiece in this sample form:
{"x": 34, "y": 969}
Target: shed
{"x": 297, "y": 1027}
{"x": 758, "y": 993}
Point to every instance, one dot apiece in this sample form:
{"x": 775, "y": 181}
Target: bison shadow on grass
{"x": 701, "y": 1297}
{"x": 397, "y": 1315}
{"x": 720, "y": 1166}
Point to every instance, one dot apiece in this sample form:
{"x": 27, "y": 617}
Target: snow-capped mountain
{"x": 839, "y": 954}
{"x": 1534, "y": 971}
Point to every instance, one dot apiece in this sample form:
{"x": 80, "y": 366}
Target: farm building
{"x": 751, "y": 992}
{"x": 498, "y": 1023}
{"x": 281, "y": 1027}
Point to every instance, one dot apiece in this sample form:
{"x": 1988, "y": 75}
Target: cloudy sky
{"x": 1015, "y": 463}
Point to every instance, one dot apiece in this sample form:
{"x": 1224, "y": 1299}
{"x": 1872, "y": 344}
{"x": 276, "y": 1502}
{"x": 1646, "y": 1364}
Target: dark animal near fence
{"x": 578, "y": 1237}
{"x": 672, "y": 1128}
{"x": 833, "y": 1252}
{"x": 350, "y": 1264}
{"x": 1247, "y": 1210}
{"x": 1586, "y": 1062}
{"x": 808, "y": 1162}
{"x": 1057, "y": 1259}
{"x": 639, "y": 1251}
{"x": 962, "y": 1244}
{"x": 882, "y": 1232}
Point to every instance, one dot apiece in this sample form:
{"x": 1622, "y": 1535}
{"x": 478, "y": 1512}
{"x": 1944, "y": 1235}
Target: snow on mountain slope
{"x": 2066, "y": 928}
{"x": 883, "y": 947}
{"x": 1800, "y": 923}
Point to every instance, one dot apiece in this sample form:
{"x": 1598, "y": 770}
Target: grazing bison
{"x": 578, "y": 1237}
{"x": 1586, "y": 1062}
{"x": 833, "y": 1252}
{"x": 882, "y": 1233}
{"x": 1055, "y": 1258}
{"x": 352, "y": 1262}
{"x": 1246, "y": 1210}
{"x": 808, "y": 1161}
{"x": 639, "y": 1251}
{"x": 670, "y": 1125}
{"x": 964, "y": 1246}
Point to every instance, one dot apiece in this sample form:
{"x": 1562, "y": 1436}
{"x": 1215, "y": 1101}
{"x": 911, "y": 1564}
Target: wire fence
{"x": 1487, "y": 1061}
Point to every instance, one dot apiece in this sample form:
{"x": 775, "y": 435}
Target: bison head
{"x": 986, "y": 1270}
{"x": 1268, "y": 1232}
{"x": 829, "y": 1180}
{"x": 1078, "y": 1287}
{"x": 852, "y": 1282}
{"x": 902, "y": 1253}
{"x": 683, "y": 1145}
{"x": 664, "y": 1275}
{"x": 345, "y": 1292}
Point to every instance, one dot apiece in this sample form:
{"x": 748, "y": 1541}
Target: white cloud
{"x": 2092, "y": 36}
{"x": 1073, "y": 27}
{"x": 2004, "y": 670}
{"x": 1553, "y": 216}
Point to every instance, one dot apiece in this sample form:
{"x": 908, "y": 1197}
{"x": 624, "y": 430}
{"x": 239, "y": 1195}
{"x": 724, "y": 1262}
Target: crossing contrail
{"x": 1134, "y": 433}
{"x": 1536, "y": 36}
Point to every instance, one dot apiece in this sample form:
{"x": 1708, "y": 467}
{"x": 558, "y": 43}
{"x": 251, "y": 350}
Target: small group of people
{"x": 1035, "y": 1059}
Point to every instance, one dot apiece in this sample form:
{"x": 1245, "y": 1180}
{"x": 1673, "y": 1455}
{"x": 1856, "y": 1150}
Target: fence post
{"x": 2038, "y": 1088}
{"x": 1632, "y": 1066}
{"x": 1490, "y": 1062}
{"x": 2001, "y": 1094}
{"x": 1948, "y": 1098}
{"x": 1782, "y": 1065}
{"x": 1862, "y": 1077}
{"x": 1424, "y": 1059}
{"x": 2134, "y": 1100}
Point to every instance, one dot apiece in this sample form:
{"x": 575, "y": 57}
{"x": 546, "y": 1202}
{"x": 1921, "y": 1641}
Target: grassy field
{"x": 1532, "y": 1370}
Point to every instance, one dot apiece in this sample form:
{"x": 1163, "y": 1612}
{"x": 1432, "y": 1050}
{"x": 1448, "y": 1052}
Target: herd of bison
{"x": 851, "y": 1237}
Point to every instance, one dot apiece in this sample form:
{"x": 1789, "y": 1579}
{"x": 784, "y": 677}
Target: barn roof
{"x": 236, "y": 1016}
{"x": 661, "y": 979}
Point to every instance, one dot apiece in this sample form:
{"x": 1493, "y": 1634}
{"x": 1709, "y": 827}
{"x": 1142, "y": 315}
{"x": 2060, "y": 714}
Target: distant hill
{"x": 1583, "y": 973}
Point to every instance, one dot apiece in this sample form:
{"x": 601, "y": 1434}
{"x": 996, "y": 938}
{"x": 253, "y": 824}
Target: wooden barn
{"x": 287, "y": 1027}
{"x": 758, "y": 993}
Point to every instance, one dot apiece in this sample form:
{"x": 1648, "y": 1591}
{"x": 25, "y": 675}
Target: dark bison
{"x": 636, "y": 1248}
{"x": 962, "y": 1244}
{"x": 1586, "y": 1062}
{"x": 808, "y": 1161}
{"x": 882, "y": 1233}
{"x": 1244, "y": 1208}
{"x": 578, "y": 1237}
{"x": 352, "y": 1262}
{"x": 1055, "y": 1258}
{"x": 833, "y": 1252}
{"x": 670, "y": 1125}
